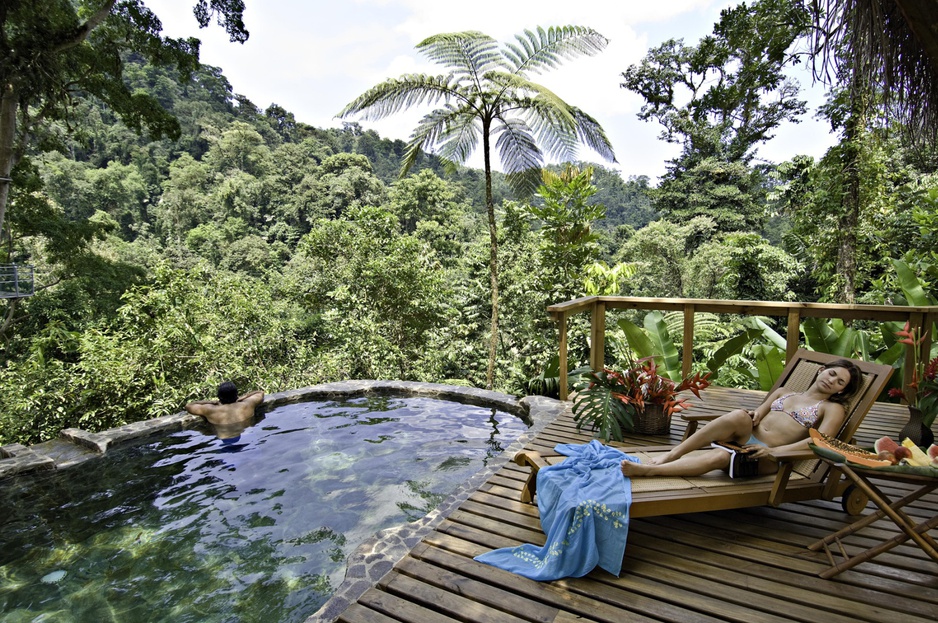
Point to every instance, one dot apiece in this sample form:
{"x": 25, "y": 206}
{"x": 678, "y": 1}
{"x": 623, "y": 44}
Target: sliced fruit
{"x": 886, "y": 455}
{"x": 853, "y": 454}
{"x": 933, "y": 451}
{"x": 886, "y": 443}
{"x": 918, "y": 458}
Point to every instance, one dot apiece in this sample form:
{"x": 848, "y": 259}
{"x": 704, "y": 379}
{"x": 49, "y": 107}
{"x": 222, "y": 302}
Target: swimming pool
{"x": 189, "y": 528}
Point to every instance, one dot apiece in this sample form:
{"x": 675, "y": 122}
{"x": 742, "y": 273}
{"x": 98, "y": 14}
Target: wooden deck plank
{"x": 456, "y": 555}
{"x": 750, "y": 564}
{"x": 449, "y": 603}
{"x": 357, "y": 613}
{"x": 496, "y": 597}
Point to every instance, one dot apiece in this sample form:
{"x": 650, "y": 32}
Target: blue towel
{"x": 584, "y": 505}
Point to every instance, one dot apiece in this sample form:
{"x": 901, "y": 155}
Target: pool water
{"x": 190, "y": 528}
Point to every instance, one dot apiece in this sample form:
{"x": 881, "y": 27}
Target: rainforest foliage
{"x": 253, "y": 247}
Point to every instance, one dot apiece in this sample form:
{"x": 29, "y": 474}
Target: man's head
{"x": 227, "y": 393}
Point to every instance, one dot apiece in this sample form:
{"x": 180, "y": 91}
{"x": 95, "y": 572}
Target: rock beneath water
{"x": 52, "y": 578}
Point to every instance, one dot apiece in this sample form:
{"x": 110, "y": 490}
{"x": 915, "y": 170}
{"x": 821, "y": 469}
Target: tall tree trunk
{"x": 850, "y": 203}
{"x": 8, "y": 104}
{"x": 493, "y": 254}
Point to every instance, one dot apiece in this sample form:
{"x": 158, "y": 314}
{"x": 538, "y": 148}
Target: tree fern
{"x": 487, "y": 94}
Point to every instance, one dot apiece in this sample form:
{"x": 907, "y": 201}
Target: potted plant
{"x": 635, "y": 399}
{"x": 921, "y": 394}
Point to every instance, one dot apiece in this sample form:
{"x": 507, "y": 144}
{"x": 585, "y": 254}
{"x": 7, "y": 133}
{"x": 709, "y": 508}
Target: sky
{"x": 312, "y": 57}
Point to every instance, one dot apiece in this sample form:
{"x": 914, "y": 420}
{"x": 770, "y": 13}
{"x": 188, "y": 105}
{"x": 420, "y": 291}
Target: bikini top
{"x": 806, "y": 416}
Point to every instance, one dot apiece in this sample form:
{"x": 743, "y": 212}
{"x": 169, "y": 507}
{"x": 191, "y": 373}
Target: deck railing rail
{"x": 795, "y": 312}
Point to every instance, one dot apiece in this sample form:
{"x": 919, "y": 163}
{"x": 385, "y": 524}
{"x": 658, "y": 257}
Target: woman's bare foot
{"x": 636, "y": 469}
{"x": 661, "y": 459}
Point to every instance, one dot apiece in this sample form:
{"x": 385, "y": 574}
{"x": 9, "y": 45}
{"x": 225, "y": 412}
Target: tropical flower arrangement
{"x": 922, "y": 391}
{"x": 608, "y": 400}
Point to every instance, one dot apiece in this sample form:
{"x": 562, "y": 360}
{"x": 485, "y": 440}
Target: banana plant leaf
{"x": 756, "y": 328}
{"x": 831, "y": 337}
{"x": 639, "y": 343}
{"x": 653, "y": 341}
{"x": 770, "y": 363}
{"x": 911, "y": 286}
{"x": 657, "y": 330}
{"x": 731, "y": 347}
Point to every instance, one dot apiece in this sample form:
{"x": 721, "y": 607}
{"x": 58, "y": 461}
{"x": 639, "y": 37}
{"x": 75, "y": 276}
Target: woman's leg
{"x": 692, "y": 465}
{"x": 734, "y": 426}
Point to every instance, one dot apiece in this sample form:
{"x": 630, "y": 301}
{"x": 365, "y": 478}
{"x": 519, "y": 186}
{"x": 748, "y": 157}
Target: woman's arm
{"x": 763, "y": 409}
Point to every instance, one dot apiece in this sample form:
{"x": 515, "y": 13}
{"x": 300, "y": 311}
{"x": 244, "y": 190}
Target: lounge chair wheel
{"x": 853, "y": 500}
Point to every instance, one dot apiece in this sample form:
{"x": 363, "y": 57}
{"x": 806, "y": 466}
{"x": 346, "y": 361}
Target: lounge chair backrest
{"x": 804, "y": 366}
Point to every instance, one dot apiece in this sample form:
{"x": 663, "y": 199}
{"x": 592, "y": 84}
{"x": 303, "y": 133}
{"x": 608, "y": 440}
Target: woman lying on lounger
{"x": 780, "y": 424}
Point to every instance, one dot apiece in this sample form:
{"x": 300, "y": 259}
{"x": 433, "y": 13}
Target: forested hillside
{"x": 257, "y": 248}
{"x": 253, "y": 247}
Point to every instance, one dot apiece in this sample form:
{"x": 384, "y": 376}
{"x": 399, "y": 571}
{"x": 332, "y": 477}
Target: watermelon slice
{"x": 886, "y": 444}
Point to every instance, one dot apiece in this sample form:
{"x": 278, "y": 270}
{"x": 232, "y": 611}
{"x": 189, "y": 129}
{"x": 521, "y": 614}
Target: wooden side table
{"x": 918, "y": 532}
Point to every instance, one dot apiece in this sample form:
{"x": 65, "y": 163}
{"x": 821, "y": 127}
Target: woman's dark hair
{"x": 227, "y": 393}
{"x": 856, "y": 378}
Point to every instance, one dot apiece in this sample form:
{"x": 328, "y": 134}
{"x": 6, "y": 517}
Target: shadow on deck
{"x": 744, "y": 565}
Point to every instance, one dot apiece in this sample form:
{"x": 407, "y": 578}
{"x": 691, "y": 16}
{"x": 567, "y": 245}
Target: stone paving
{"x": 375, "y": 557}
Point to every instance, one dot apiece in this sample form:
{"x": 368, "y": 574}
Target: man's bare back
{"x": 229, "y": 419}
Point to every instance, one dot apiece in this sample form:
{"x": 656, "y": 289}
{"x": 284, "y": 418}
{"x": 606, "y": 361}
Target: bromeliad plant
{"x": 607, "y": 400}
{"x": 922, "y": 391}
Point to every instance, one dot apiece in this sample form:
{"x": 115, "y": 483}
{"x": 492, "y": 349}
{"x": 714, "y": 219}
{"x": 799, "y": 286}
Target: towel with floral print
{"x": 584, "y": 506}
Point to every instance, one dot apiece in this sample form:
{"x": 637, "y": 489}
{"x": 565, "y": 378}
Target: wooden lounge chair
{"x": 801, "y": 476}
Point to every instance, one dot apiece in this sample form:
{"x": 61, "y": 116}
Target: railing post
{"x": 598, "y": 336}
{"x": 562, "y": 327}
{"x": 687, "y": 358}
{"x": 793, "y": 339}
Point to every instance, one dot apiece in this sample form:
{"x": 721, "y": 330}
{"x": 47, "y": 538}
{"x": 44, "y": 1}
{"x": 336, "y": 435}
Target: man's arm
{"x": 201, "y": 407}
{"x": 253, "y": 398}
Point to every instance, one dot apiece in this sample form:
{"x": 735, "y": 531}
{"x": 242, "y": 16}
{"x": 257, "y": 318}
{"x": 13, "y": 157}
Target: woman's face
{"x": 833, "y": 380}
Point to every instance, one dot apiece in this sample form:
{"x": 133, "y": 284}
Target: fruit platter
{"x": 887, "y": 455}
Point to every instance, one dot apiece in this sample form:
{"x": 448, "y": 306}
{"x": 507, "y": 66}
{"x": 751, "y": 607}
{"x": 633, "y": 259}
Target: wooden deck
{"x": 748, "y": 565}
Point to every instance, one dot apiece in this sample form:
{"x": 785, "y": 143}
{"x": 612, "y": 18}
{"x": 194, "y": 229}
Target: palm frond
{"x": 397, "y": 94}
{"x": 539, "y": 50}
{"x": 427, "y": 133}
{"x": 553, "y": 125}
{"x": 461, "y": 137}
{"x": 557, "y": 139}
{"x": 593, "y": 135}
{"x": 516, "y": 146}
{"x": 520, "y": 156}
{"x": 469, "y": 53}
{"x": 453, "y": 128}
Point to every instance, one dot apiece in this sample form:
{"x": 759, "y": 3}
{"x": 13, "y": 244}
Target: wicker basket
{"x": 652, "y": 420}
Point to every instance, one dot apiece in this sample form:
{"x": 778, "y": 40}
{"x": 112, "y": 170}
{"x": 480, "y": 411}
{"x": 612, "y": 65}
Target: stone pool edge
{"x": 377, "y": 556}
{"x": 75, "y": 445}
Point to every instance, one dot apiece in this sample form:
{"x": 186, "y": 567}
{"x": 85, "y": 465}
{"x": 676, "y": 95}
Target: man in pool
{"x": 229, "y": 414}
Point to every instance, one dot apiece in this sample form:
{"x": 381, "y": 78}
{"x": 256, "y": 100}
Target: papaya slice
{"x": 853, "y": 454}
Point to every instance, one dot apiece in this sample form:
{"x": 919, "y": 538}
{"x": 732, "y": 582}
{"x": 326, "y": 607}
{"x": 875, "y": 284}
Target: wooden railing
{"x": 794, "y": 312}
